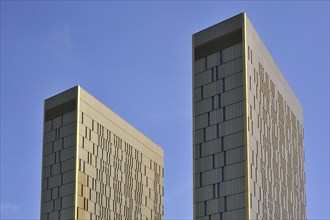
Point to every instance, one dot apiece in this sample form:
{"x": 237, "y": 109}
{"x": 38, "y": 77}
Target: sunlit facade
{"x": 248, "y": 147}
{"x": 95, "y": 164}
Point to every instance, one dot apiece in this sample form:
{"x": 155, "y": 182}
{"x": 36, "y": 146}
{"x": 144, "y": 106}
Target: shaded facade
{"x": 96, "y": 165}
{"x": 247, "y": 129}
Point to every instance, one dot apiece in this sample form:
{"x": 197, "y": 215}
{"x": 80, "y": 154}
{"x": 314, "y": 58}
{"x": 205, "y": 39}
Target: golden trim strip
{"x": 75, "y": 206}
{"x": 246, "y": 119}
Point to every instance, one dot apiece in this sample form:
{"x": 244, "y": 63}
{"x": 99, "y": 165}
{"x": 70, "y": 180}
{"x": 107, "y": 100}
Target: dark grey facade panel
{"x": 218, "y": 30}
{"x": 235, "y": 214}
{"x": 234, "y": 81}
{"x": 197, "y": 94}
{"x": 211, "y": 147}
{"x": 232, "y": 53}
{"x": 235, "y": 110}
{"x": 215, "y": 206}
{"x": 203, "y": 78}
{"x": 232, "y": 186}
{"x": 204, "y": 164}
{"x": 211, "y": 132}
{"x": 61, "y": 109}
{"x": 230, "y": 68}
{"x": 212, "y": 89}
{"x": 203, "y": 106}
{"x": 203, "y": 193}
{"x": 219, "y": 160}
{"x": 234, "y": 171}
{"x": 201, "y": 121}
{"x": 231, "y": 126}
{"x": 236, "y": 155}
{"x": 234, "y": 140}
{"x": 232, "y": 96}
{"x": 211, "y": 177}
{"x": 218, "y": 44}
{"x": 213, "y": 60}
{"x": 218, "y": 111}
{"x": 200, "y": 65}
{"x": 216, "y": 116}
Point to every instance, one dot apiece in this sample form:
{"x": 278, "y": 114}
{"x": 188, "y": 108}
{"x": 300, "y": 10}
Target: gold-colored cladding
{"x": 77, "y": 155}
{"x": 245, "y": 52}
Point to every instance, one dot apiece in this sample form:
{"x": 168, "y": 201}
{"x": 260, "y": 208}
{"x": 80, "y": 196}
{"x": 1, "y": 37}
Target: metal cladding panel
{"x": 203, "y": 218}
{"x": 197, "y": 180}
{"x": 218, "y": 30}
{"x": 203, "y": 164}
{"x": 236, "y": 155}
{"x": 211, "y": 147}
{"x": 211, "y": 132}
{"x": 213, "y": 60}
{"x": 199, "y": 207}
{"x": 232, "y": 186}
{"x": 216, "y": 116}
{"x": 232, "y": 96}
{"x": 219, "y": 160}
{"x": 236, "y": 201}
{"x": 200, "y": 65}
{"x": 218, "y": 111}
{"x": 215, "y": 206}
{"x": 234, "y": 81}
{"x": 204, "y": 193}
{"x": 203, "y": 78}
{"x": 197, "y": 94}
{"x": 235, "y": 110}
{"x": 235, "y": 214}
{"x": 212, "y": 89}
{"x": 230, "y": 68}
{"x": 201, "y": 121}
{"x": 234, "y": 171}
{"x": 231, "y": 126}
{"x": 203, "y": 106}
{"x": 233, "y": 140}
{"x": 199, "y": 136}
{"x": 211, "y": 176}
{"x": 232, "y": 52}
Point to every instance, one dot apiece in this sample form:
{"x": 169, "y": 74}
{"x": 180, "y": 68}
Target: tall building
{"x": 248, "y": 132}
{"x": 96, "y": 165}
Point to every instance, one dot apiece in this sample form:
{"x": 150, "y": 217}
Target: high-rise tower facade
{"x": 248, "y": 133}
{"x": 96, "y": 165}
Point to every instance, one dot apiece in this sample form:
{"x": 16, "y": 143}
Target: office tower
{"x": 96, "y": 165}
{"x": 247, "y": 126}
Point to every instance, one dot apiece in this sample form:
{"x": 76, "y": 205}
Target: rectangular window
{"x": 205, "y": 63}
{"x": 221, "y": 57}
{"x": 224, "y": 113}
{"x": 202, "y": 93}
{"x": 251, "y": 57}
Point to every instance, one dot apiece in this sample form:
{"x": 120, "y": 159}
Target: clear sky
{"x": 136, "y": 58}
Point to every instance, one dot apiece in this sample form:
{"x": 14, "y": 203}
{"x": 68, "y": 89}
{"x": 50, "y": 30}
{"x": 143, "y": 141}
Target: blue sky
{"x": 136, "y": 58}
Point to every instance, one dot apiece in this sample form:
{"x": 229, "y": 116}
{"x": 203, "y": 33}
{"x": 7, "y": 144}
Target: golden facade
{"x": 248, "y": 129}
{"x": 100, "y": 167}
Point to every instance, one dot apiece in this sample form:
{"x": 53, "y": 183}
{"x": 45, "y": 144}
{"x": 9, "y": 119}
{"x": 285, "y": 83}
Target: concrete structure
{"x": 248, "y": 129}
{"x": 95, "y": 165}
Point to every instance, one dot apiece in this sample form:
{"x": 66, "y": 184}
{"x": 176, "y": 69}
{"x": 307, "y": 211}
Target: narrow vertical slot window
{"x": 202, "y": 92}
{"x": 205, "y": 63}
{"x": 223, "y": 85}
{"x": 221, "y": 57}
{"x": 224, "y": 113}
